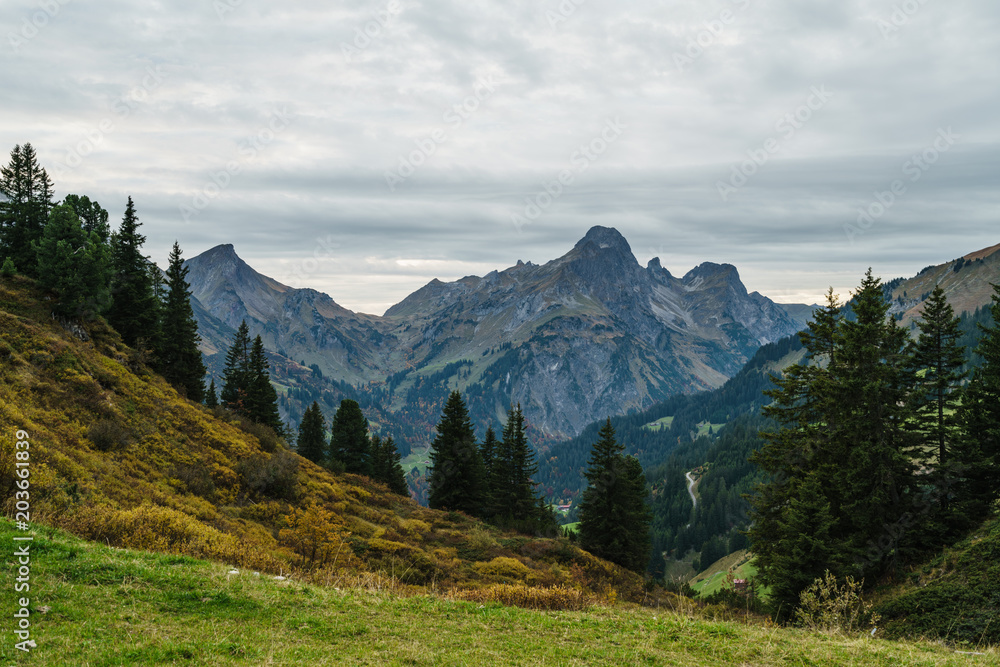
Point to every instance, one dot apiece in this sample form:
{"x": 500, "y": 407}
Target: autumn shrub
{"x": 109, "y": 435}
{"x": 274, "y": 476}
{"x": 196, "y": 479}
{"x": 316, "y": 535}
{"x": 155, "y": 528}
{"x": 529, "y": 597}
{"x": 503, "y": 569}
{"x": 829, "y": 606}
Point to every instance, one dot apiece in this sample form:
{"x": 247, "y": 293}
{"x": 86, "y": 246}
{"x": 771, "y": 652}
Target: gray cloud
{"x": 172, "y": 101}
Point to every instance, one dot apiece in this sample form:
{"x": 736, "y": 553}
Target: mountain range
{"x": 589, "y": 334}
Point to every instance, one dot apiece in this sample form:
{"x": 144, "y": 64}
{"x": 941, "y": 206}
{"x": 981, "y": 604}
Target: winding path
{"x": 691, "y": 483}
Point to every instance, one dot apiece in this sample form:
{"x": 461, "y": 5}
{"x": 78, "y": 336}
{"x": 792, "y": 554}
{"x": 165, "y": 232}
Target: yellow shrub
{"x": 316, "y": 534}
{"x": 503, "y": 569}
{"x": 515, "y": 595}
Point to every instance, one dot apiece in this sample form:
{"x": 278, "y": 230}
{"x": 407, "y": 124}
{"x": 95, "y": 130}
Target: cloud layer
{"x": 363, "y": 148}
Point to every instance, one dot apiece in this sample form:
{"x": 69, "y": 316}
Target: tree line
{"x": 885, "y": 447}
{"x": 69, "y": 249}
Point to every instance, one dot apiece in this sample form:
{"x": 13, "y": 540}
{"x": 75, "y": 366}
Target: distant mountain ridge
{"x": 586, "y": 335}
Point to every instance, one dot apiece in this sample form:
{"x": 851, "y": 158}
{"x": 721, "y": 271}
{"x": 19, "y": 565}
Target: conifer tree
{"x": 977, "y": 453}
{"x": 26, "y": 191}
{"x": 349, "y": 443}
{"x": 212, "y": 397}
{"x": 510, "y": 489}
{"x": 236, "y": 374}
{"x": 456, "y": 473}
{"x": 488, "y": 451}
{"x": 179, "y": 357}
{"x": 93, "y": 218}
{"x": 936, "y": 361}
{"x": 74, "y": 264}
{"x": 312, "y": 435}
{"x": 614, "y": 517}
{"x": 262, "y": 399}
{"x": 133, "y": 311}
{"x": 8, "y": 269}
{"x": 386, "y": 466}
{"x": 840, "y": 456}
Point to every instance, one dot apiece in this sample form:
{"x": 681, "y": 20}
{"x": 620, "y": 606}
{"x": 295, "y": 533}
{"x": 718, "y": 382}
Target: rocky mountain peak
{"x": 604, "y": 238}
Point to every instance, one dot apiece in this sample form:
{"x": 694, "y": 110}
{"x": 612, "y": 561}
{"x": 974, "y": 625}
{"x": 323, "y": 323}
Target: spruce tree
{"x": 212, "y": 397}
{"x": 236, "y": 374}
{"x": 8, "y": 270}
{"x": 840, "y": 455}
{"x": 977, "y": 453}
{"x": 74, "y": 264}
{"x": 312, "y": 435}
{"x": 262, "y": 399}
{"x": 349, "y": 443}
{"x": 26, "y": 203}
{"x": 133, "y": 311}
{"x": 179, "y": 357}
{"x": 936, "y": 361}
{"x": 456, "y": 473}
{"x": 386, "y": 467}
{"x": 510, "y": 490}
{"x": 93, "y": 218}
{"x": 488, "y": 451}
{"x": 614, "y": 517}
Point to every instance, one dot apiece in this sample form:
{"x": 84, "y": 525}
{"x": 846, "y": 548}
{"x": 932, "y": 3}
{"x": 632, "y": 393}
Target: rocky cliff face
{"x": 584, "y": 336}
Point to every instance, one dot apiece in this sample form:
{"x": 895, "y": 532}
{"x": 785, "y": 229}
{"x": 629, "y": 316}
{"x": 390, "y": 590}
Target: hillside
{"x": 585, "y": 335}
{"x": 966, "y": 283}
{"x": 94, "y": 605}
{"x": 118, "y": 457}
{"x": 954, "y": 596}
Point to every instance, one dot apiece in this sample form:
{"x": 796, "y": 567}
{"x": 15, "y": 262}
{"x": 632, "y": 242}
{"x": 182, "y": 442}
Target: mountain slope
{"x": 118, "y": 457}
{"x": 589, "y": 334}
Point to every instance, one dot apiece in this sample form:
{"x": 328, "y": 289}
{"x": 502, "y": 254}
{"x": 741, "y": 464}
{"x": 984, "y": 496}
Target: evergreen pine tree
{"x": 212, "y": 397}
{"x": 614, "y": 518}
{"x": 262, "y": 399}
{"x": 977, "y": 453}
{"x": 236, "y": 374}
{"x": 179, "y": 357}
{"x": 488, "y": 452}
{"x": 312, "y": 435}
{"x": 386, "y": 467}
{"x": 8, "y": 270}
{"x": 133, "y": 311}
{"x": 349, "y": 444}
{"x": 26, "y": 191}
{"x": 456, "y": 473}
{"x": 93, "y": 218}
{"x": 73, "y": 264}
{"x": 936, "y": 363}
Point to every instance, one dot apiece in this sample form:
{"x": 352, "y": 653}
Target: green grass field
{"x": 97, "y": 606}
{"x": 659, "y": 424}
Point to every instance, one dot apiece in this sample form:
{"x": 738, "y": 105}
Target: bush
{"x": 196, "y": 479}
{"x": 108, "y": 435}
{"x": 507, "y": 570}
{"x": 829, "y": 607}
{"x": 515, "y": 595}
{"x": 274, "y": 477}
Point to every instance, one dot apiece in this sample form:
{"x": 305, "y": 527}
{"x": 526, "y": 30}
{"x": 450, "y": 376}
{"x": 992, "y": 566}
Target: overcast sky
{"x": 365, "y": 147}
